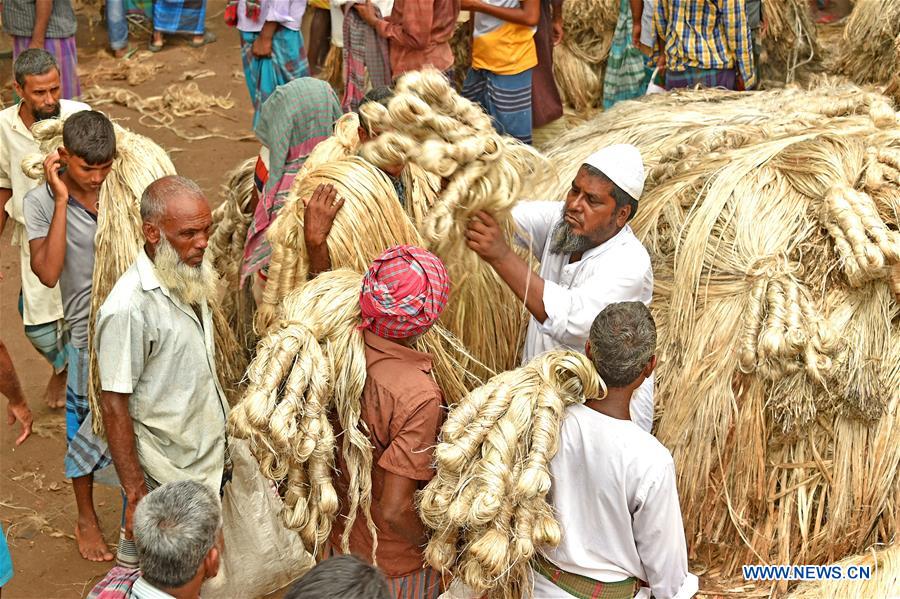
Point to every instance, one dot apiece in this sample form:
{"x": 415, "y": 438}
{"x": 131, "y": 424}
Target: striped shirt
{"x": 705, "y": 34}
{"x": 501, "y": 47}
{"x": 18, "y": 18}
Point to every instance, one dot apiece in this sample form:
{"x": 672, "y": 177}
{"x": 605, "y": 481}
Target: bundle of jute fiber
{"x": 309, "y": 370}
{"x": 882, "y": 566}
{"x": 118, "y": 240}
{"x": 870, "y": 49}
{"x": 226, "y": 250}
{"x": 772, "y": 222}
{"x": 370, "y": 221}
{"x": 487, "y": 504}
{"x": 579, "y": 62}
{"x": 428, "y": 124}
{"x": 789, "y": 43}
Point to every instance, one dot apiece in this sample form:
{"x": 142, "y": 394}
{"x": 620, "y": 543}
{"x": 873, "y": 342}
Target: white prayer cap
{"x": 623, "y": 164}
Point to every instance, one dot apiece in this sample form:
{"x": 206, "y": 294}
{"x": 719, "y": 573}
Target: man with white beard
{"x": 590, "y": 258}
{"x": 162, "y": 405}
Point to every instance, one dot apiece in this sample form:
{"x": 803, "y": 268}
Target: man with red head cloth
{"x": 403, "y": 294}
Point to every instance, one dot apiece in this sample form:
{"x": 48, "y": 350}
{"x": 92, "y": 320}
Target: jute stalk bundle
{"x": 487, "y": 504}
{"x": 772, "y": 223}
{"x": 370, "y": 221}
{"x": 790, "y": 42}
{"x": 884, "y": 567}
{"x": 429, "y": 124}
{"x": 119, "y": 238}
{"x": 870, "y": 50}
{"x": 231, "y": 220}
{"x": 579, "y": 62}
{"x": 308, "y": 369}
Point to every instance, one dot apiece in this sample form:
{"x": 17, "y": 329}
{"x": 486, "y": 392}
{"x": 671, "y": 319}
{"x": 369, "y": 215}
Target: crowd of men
{"x": 163, "y": 409}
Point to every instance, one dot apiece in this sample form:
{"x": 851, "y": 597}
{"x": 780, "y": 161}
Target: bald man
{"x": 163, "y": 408}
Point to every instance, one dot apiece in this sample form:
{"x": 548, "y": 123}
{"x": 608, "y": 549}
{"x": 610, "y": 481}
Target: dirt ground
{"x": 37, "y": 508}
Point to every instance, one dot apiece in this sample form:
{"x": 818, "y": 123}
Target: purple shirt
{"x": 288, "y": 13}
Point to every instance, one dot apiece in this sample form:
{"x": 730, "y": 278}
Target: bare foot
{"x": 90, "y": 542}
{"x": 55, "y": 394}
{"x": 121, "y": 52}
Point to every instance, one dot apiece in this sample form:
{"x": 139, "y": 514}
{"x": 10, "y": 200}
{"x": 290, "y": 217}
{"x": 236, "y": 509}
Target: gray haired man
{"x": 623, "y": 522}
{"x": 162, "y": 405}
{"x": 178, "y": 534}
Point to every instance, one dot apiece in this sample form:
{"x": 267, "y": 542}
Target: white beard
{"x": 193, "y": 285}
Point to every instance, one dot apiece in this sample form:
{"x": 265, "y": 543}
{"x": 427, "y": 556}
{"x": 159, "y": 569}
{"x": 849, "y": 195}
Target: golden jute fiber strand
{"x": 870, "y": 49}
{"x": 487, "y": 504}
{"x": 884, "y": 566}
{"x": 790, "y": 43}
{"x": 428, "y": 124}
{"x": 772, "y": 223}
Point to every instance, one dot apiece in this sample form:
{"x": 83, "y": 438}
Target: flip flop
{"x": 154, "y": 47}
{"x": 208, "y": 38}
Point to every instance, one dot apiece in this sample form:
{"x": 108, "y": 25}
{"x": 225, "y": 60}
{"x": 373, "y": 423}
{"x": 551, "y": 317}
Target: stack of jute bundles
{"x": 789, "y": 42}
{"x": 771, "y": 219}
{"x": 870, "y": 52}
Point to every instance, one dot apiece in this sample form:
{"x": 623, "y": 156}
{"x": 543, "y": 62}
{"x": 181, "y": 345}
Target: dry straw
{"x": 487, "y": 504}
{"x": 119, "y": 238}
{"x": 772, "y": 223}
{"x": 789, "y": 44}
{"x": 883, "y": 565}
{"x": 579, "y": 62}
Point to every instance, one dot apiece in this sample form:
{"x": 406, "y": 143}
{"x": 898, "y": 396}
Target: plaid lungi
{"x": 86, "y": 453}
{"x": 583, "y": 587}
{"x": 63, "y": 49}
{"x": 50, "y": 339}
{"x": 421, "y": 584}
{"x": 179, "y": 16}
{"x": 263, "y": 75}
{"x": 116, "y": 585}
{"x": 506, "y": 98}
{"x": 366, "y": 60}
{"x": 693, "y": 77}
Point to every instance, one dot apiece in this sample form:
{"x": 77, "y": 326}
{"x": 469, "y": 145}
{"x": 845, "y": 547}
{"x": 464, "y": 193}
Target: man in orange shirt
{"x": 403, "y": 294}
{"x": 418, "y": 33}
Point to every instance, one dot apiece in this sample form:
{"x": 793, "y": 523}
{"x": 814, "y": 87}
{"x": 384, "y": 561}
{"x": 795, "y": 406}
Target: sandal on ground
{"x": 208, "y": 38}
{"x": 154, "y": 47}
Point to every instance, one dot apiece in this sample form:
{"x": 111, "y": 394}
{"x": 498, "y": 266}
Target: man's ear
{"x": 64, "y": 154}
{"x": 588, "y": 352}
{"x": 650, "y": 367}
{"x": 151, "y": 232}
{"x": 622, "y": 215}
{"x": 19, "y": 91}
{"x": 211, "y": 562}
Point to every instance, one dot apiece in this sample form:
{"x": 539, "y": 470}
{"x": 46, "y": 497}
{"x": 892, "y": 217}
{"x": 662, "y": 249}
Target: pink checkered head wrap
{"x": 404, "y": 292}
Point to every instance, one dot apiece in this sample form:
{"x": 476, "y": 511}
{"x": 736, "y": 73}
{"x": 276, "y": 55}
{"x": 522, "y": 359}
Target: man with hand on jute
{"x": 589, "y": 257}
{"x": 61, "y": 222}
{"x": 622, "y": 528}
{"x": 403, "y": 294}
{"x": 163, "y": 408}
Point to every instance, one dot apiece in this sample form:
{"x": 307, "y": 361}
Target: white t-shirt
{"x": 615, "y": 498}
{"x": 616, "y": 271}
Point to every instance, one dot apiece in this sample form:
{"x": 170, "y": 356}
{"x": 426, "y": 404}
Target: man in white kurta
{"x": 621, "y": 526}
{"x": 589, "y": 257}
{"x": 37, "y": 83}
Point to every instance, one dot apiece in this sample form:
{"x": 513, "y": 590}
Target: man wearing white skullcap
{"x": 589, "y": 256}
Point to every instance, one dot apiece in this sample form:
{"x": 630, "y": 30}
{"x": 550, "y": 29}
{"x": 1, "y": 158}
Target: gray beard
{"x": 43, "y": 116}
{"x": 564, "y": 241}
{"x": 193, "y": 285}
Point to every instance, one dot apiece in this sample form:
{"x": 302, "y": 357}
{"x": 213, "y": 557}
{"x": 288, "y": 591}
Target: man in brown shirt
{"x": 418, "y": 33}
{"x": 403, "y": 294}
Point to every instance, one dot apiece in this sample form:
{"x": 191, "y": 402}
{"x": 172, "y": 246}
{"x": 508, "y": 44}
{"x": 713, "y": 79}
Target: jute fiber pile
{"x": 487, "y": 505}
{"x": 870, "y": 50}
{"x": 884, "y": 568}
{"x": 226, "y": 250}
{"x": 579, "y": 61}
{"x": 789, "y": 45}
{"x": 429, "y": 124}
{"x": 119, "y": 238}
{"x": 772, "y": 222}
{"x": 309, "y": 370}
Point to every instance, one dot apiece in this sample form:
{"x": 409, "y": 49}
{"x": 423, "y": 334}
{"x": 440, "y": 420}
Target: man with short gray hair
{"x": 162, "y": 405}
{"x": 178, "y": 535}
{"x": 622, "y": 523}
{"x": 37, "y": 83}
